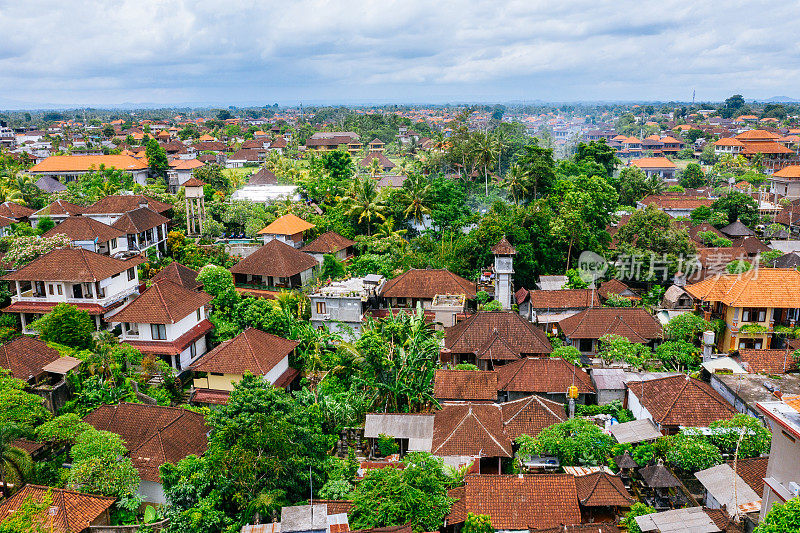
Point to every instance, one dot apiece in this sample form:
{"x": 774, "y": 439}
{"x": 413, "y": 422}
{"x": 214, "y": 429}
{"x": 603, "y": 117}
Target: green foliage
{"x": 738, "y": 266}
{"x": 575, "y": 442}
{"x": 614, "y": 409}
{"x": 62, "y": 429}
{"x": 692, "y": 454}
{"x": 392, "y": 497}
{"x": 66, "y": 325}
{"x": 466, "y": 366}
{"x": 756, "y": 439}
{"x": 100, "y": 466}
{"x": 634, "y": 185}
{"x": 687, "y": 327}
{"x": 637, "y": 509}
{"x": 568, "y": 353}
{"x": 477, "y": 523}
{"x": 618, "y": 348}
{"x": 218, "y": 282}
{"x": 652, "y": 230}
{"x": 18, "y": 406}
{"x": 679, "y": 355}
{"x": 338, "y": 164}
{"x": 157, "y": 158}
{"x": 44, "y": 225}
{"x": 30, "y": 516}
{"x": 692, "y": 176}
{"x": 494, "y": 305}
{"x": 387, "y": 445}
{"x": 23, "y": 250}
{"x": 781, "y": 518}
{"x": 332, "y": 268}
{"x": 615, "y": 300}
{"x": 738, "y": 205}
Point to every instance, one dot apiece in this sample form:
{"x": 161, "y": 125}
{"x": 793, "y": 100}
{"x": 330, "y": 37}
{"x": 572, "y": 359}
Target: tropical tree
{"x": 12, "y": 459}
{"x": 516, "y": 182}
{"x": 363, "y": 203}
{"x": 416, "y": 196}
{"x": 538, "y": 166}
{"x": 374, "y": 168}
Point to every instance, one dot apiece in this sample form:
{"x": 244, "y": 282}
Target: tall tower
{"x": 503, "y": 272}
{"x": 195, "y": 206}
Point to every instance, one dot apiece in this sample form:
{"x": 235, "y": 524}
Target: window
{"x": 38, "y": 289}
{"x": 50, "y": 289}
{"x": 131, "y": 273}
{"x": 113, "y": 243}
{"x": 585, "y": 345}
{"x": 198, "y": 315}
{"x": 321, "y": 308}
{"x": 159, "y": 332}
{"x": 60, "y": 290}
{"x": 193, "y": 351}
{"x": 131, "y": 328}
{"x": 754, "y": 315}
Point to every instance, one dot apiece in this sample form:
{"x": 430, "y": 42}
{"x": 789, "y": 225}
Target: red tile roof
{"x": 178, "y": 345}
{"x": 46, "y": 307}
{"x": 26, "y": 356}
{"x": 635, "y": 324}
{"x": 327, "y": 243}
{"x": 84, "y": 163}
{"x": 752, "y": 471}
{"x": 519, "y": 502}
{"x": 601, "y": 489}
{"x": 465, "y": 385}
{"x": 427, "y": 283}
{"x": 752, "y": 148}
{"x": 564, "y": 299}
{"x": 60, "y": 207}
{"x": 178, "y": 273}
{"x": 470, "y": 429}
{"x": 153, "y": 434}
{"x": 75, "y": 511}
{"x": 139, "y": 221}
{"x": 286, "y": 225}
{"x": 210, "y": 396}
{"x": 251, "y": 351}
{"x": 503, "y": 247}
{"x": 501, "y": 335}
{"x": 276, "y": 258}
{"x": 70, "y": 264}
{"x": 677, "y": 202}
{"x": 768, "y": 361}
{"x": 163, "y": 303}
{"x": 80, "y": 228}
{"x": 653, "y": 162}
{"x": 763, "y": 287}
{"x": 543, "y": 375}
{"x": 681, "y": 401}
{"x": 14, "y": 210}
{"x": 115, "y": 204}
{"x": 530, "y": 415}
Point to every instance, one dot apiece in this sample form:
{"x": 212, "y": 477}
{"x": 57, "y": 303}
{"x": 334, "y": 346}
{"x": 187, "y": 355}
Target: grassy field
{"x": 239, "y": 175}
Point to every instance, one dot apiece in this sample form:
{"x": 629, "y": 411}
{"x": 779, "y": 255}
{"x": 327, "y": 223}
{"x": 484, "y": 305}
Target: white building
{"x": 340, "y": 305}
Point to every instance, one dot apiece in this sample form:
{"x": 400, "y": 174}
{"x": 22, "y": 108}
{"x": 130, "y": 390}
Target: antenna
{"x": 693, "y": 94}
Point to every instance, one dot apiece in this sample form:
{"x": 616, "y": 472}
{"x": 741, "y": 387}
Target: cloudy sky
{"x": 246, "y": 52}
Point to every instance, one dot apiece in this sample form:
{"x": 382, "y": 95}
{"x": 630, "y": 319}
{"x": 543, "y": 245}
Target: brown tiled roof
{"x": 753, "y": 135}
{"x": 75, "y": 510}
{"x": 177, "y": 273}
{"x": 139, "y": 220}
{"x": 336, "y": 506}
{"x": 465, "y": 385}
{"x": 390, "y": 529}
{"x": 752, "y": 245}
{"x": 46, "y": 307}
{"x": 163, "y": 303}
{"x": 246, "y": 155}
{"x": 563, "y": 299}
{"x": 26, "y": 356}
{"x": 330, "y": 141}
{"x": 79, "y": 228}
{"x": 768, "y": 361}
{"x": 60, "y": 207}
{"x": 543, "y": 375}
{"x": 384, "y": 161}
{"x": 503, "y": 247}
{"x": 521, "y": 295}
{"x": 517, "y": 502}
{"x": 263, "y": 177}
{"x": 614, "y": 286}
{"x": 427, "y": 283}
{"x": 471, "y": 429}
{"x": 681, "y": 401}
{"x": 250, "y": 351}
{"x": 178, "y": 345}
{"x": 210, "y": 396}
{"x": 736, "y": 229}
{"x": 752, "y": 471}
{"x": 14, "y": 210}
{"x": 694, "y": 231}
{"x": 327, "y": 243}
{"x": 601, "y": 489}
{"x": 763, "y": 287}
{"x": 153, "y": 434}
{"x": 5, "y": 221}
{"x": 530, "y": 415}
{"x": 497, "y": 335}
{"x": 210, "y": 146}
{"x": 279, "y": 142}
{"x": 768, "y": 147}
{"x": 115, "y": 204}
{"x": 276, "y": 258}
{"x": 677, "y": 202}
{"x": 70, "y": 264}
{"x": 635, "y": 324}
{"x": 595, "y": 527}
{"x": 193, "y": 182}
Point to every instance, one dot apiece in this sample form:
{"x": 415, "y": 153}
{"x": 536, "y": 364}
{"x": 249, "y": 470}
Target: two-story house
{"x": 141, "y": 218}
{"x": 423, "y": 285}
{"x": 167, "y": 320}
{"x": 95, "y": 283}
{"x": 91, "y": 234}
{"x": 57, "y": 211}
{"x": 276, "y": 265}
{"x": 289, "y": 229}
{"x": 752, "y": 305}
{"x": 340, "y": 305}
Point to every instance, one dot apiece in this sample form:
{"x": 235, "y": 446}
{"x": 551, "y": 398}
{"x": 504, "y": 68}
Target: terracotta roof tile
{"x": 614, "y": 286}
{"x": 563, "y": 299}
{"x": 601, "y": 489}
{"x": 193, "y": 182}
{"x": 503, "y": 334}
{"x": 427, "y": 283}
{"x": 177, "y": 273}
{"x": 70, "y": 264}
{"x": 676, "y": 202}
{"x": 115, "y": 204}
{"x": 26, "y": 356}
{"x": 791, "y": 172}
{"x": 681, "y": 401}
{"x": 595, "y": 527}
{"x": 84, "y": 163}
{"x": 163, "y": 303}
{"x": 530, "y": 415}
{"x": 518, "y": 502}
{"x": 251, "y": 351}
{"x": 276, "y": 258}
{"x": 153, "y": 434}
{"x": 635, "y": 324}
{"x": 653, "y": 162}
{"x": 286, "y": 225}
{"x": 470, "y": 429}
{"x": 60, "y": 207}
{"x": 263, "y": 177}
{"x": 327, "y": 243}
{"x": 769, "y": 147}
{"x": 76, "y": 510}
{"x": 764, "y": 287}
{"x": 139, "y": 220}
{"x": 503, "y": 247}
{"x": 465, "y": 385}
{"x": 756, "y": 135}
{"x": 384, "y": 161}
{"x": 752, "y": 471}
{"x": 768, "y": 361}
{"x": 543, "y": 375}
{"x": 14, "y": 210}
{"x": 80, "y": 228}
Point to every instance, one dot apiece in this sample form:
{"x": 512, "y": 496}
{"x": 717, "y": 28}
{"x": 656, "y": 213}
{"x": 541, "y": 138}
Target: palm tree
{"x": 11, "y": 457}
{"x": 416, "y": 195}
{"x": 374, "y": 168}
{"x": 363, "y": 203}
{"x": 9, "y": 193}
{"x": 516, "y": 182}
{"x": 654, "y": 185}
{"x": 386, "y": 230}
{"x": 405, "y": 167}
{"x": 485, "y": 150}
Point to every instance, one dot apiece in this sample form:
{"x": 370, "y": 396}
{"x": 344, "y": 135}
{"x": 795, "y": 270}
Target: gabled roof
{"x": 153, "y": 434}
{"x": 193, "y": 182}
{"x": 789, "y": 172}
{"x": 563, "y": 299}
{"x": 530, "y": 415}
{"x": 737, "y": 229}
{"x": 288, "y": 224}
{"x": 676, "y": 202}
{"x": 503, "y": 247}
{"x": 263, "y": 177}
{"x": 163, "y": 303}
{"x": 653, "y": 162}
{"x": 5, "y": 221}
{"x": 427, "y": 283}
{"x": 185, "y": 164}
{"x": 600, "y": 489}
{"x": 384, "y": 161}
{"x": 728, "y": 141}
{"x": 70, "y": 264}
{"x": 139, "y": 220}
{"x": 757, "y": 135}
{"x": 327, "y": 243}
{"x": 84, "y": 163}
{"x": 470, "y": 429}
{"x": 518, "y": 502}
{"x": 633, "y": 323}
{"x": 465, "y": 385}
{"x": 177, "y": 273}
{"x": 26, "y": 357}
{"x": 504, "y": 334}
{"x": 681, "y": 401}
{"x": 75, "y": 511}
{"x": 763, "y": 287}
{"x": 543, "y": 375}
{"x": 615, "y": 286}
{"x": 80, "y": 228}
{"x": 276, "y": 258}
{"x": 751, "y": 244}
{"x": 251, "y": 351}
{"x": 15, "y": 210}
{"x": 116, "y": 204}
{"x": 60, "y": 208}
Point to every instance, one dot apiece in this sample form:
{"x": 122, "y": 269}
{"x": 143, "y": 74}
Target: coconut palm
{"x": 12, "y": 459}
{"x": 516, "y": 181}
{"x": 374, "y": 168}
{"x": 485, "y": 153}
{"x": 405, "y": 167}
{"x": 416, "y": 196}
{"x": 9, "y": 193}
{"x": 364, "y": 203}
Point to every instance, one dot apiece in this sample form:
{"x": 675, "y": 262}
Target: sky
{"x": 256, "y": 52}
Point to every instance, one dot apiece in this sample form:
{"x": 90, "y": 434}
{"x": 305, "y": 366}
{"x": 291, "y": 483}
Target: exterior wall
{"x": 639, "y": 412}
{"x": 730, "y": 341}
{"x": 152, "y": 492}
{"x": 173, "y": 330}
{"x": 783, "y": 465}
{"x": 186, "y": 358}
{"x": 731, "y": 397}
{"x": 605, "y": 396}
{"x": 226, "y": 381}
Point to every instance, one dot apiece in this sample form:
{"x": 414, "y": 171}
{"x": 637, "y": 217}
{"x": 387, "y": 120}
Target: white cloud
{"x": 99, "y": 52}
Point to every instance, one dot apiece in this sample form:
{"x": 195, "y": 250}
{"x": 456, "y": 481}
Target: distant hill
{"x": 780, "y": 99}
